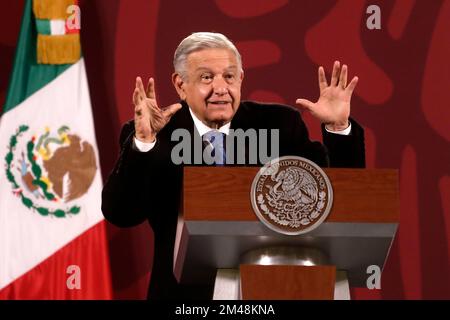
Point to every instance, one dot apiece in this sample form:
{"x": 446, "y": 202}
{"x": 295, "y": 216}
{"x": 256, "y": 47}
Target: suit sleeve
{"x": 131, "y": 192}
{"x": 337, "y": 151}
{"x": 346, "y": 151}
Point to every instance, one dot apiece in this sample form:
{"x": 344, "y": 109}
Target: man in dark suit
{"x": 146, "y": 183}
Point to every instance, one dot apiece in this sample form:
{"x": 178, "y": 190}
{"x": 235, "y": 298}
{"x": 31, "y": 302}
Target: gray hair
{"x": 199, "y": 41}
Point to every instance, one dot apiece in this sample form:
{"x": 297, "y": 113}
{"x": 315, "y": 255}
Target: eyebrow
{"x": 209, "y": 70}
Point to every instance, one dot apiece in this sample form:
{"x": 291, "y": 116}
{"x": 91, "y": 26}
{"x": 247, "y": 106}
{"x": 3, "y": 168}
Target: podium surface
{"x": 218, "y": 225}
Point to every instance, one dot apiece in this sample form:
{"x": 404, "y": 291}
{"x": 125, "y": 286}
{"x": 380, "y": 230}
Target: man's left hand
{"x": 333, "y": 106}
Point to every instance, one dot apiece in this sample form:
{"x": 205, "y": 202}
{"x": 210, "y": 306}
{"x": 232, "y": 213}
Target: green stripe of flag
{"x": 27, "y": 76}
{"x": 43, "y": 26}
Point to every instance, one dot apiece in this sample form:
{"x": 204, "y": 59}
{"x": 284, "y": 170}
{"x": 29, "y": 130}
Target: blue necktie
{"x": 216, "y": 140}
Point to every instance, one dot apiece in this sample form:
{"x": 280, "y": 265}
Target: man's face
{"x": 212, "y": 87}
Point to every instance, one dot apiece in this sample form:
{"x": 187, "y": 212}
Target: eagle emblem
{"x": 291, "y": 195}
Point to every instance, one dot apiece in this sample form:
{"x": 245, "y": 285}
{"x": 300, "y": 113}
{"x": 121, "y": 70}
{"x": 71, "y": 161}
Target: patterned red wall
{"x": 402, "y": 100}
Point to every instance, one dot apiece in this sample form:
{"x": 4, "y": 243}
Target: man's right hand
{"x": 149, "y": 119}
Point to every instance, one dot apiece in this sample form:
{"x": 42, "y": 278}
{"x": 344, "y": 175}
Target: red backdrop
{"x": 402, "y": 100}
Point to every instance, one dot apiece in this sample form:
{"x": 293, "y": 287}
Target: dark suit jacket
{"x": 147, "y": 185}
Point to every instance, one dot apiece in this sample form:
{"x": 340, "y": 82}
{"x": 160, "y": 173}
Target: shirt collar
{"x": 203, "y": 128}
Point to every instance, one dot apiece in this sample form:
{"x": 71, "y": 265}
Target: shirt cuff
{"x": 143, "y": 146}
{"x": 344, "y": 132}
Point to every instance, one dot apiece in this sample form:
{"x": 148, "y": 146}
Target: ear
{"x": 178, "y": 83}
{"x": 242, "y": 74}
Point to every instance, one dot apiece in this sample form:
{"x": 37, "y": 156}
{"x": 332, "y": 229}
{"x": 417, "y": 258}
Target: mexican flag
{"x": 52, "y": 234}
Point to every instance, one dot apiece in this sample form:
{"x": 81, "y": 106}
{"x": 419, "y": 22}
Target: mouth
{"x": 218, "y": 103}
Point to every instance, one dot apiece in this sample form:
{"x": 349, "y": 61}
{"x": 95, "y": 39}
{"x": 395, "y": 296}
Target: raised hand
{"x": 333, "y": 106}
{"x": 149, "y": 119}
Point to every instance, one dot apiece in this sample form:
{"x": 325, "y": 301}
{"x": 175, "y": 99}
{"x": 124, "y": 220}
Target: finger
{"x": 343, "y": 77}
{"x": 140, "y": 109}
{"x": 136, "y": 98}
{"x": 151, "y": 94}
{"x": 335, "y": 74}
{"x": 352, "y": 85}
{"x": 305, "y": 104}
{"x": 140, "y": 87}
{"x": 171, "y": 110}
{"x": 138, "y": 112}
{"x": 322, "y": 79}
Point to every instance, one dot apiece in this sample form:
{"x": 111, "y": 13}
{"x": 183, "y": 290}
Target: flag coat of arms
{"x": 52, "y": 233}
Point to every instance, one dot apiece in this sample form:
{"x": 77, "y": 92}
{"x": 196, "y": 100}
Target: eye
{"x": 229, "y": 77}
{"x": 206, "y": 77}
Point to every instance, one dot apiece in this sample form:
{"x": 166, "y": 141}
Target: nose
{"x": 220, "y": 86}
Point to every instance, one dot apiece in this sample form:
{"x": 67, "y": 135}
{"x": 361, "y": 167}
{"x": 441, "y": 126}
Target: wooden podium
{"x": 221, "y": 241}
